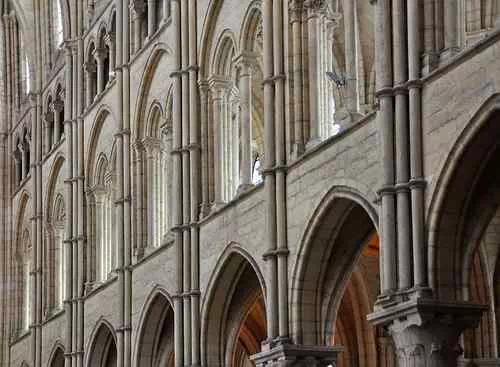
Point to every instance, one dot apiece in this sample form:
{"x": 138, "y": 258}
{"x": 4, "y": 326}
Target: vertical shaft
{"x": 385, "y": 118}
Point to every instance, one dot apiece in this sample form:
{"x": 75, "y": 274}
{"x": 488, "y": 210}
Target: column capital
{"x": 137, "y": 8}
{"x": 428, "y": 330}
{"x": 57, "y": 105}
{"x": 151, "y": 145}
{"x": 90, "y": 67}
{"x": 100, "y": 54}
{"x": 109, "y": 40}
{"x": 296, "y": 10}
{"x": 314, "y": 7}
{"x": 246, "y": 61}
{"x": 219, "y": 85}
{"x": 48, "y": 117}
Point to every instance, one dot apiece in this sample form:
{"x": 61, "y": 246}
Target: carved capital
{"x": 426, "y": 330}
{"x": 296, "y": 10}
{"x": 315, "y": 7}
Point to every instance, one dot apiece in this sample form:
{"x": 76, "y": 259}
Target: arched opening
{"x": 337, "y": 281}
{"x": 102, "y": 352}
{"x": 464, "y": 215}
{"x": 156, "y": 338}
{"x": 57, "y": 358}
{"x": 234, "y": 314}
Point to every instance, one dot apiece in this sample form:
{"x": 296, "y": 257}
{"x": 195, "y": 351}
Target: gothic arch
{"x": 467, "y": 164}
{"x": 52, "y": 181}
{"x": 338, "y": 212}
{"x": 103, "y": 115}
{"x": 224, "y": 51}
{"x": 155, "y": 335}
{"x": 158, "y": 51}
{"x": 225, "y": 309}
{"x": 57, "y": 355}
{"x": 249, "y": 25}
{"x": 154, "y": 119}
{"x": 101, "y": 350}
{"x": 207, "y": 37}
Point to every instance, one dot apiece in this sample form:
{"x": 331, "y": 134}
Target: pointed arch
{"x": 235, "y": 295}
{"x": 101, "y": 350}
{"x": 250, "y": 25}
{"x": 329, "y": 242}
{"x": 207, "y": 37}
{"x": 463, "y": 190}
{"x": 225, "y": 50}
{"x": 155, "y": 340}
{"x": 104, "y": 114}
{"x": 56, "y": 358}
{"x": 159, "y": 50}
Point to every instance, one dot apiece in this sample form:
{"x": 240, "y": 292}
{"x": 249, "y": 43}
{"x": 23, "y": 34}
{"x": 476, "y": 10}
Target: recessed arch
{"x": 101, "y": 351}
{"x": 250, "y": 24}
{"x": 342, "y": 226}
{"x": 235, "y": 299}
{"x": 155, "y": 337}
{"x": 57, "y": 355}
{"x": 224, "y": 52}
{"x": 104, "y": 114}
{"x": 159, "y": 50}
{"x": 462, "y": 188}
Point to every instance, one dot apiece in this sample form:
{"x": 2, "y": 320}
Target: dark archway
{"x": 102, "y": 352}
{"x": 156, "y": 335}
{"x": 234, "y": 312}
{"x": 336, "y": 280}
{"x": 57, "y": 359}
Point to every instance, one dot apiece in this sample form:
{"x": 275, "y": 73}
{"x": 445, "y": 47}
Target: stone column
{"x": 402, "y": 156}
{"x": 296, "y": 14}
{"x": 24, "y": 163}
{"x": 151, "y": 17}
{"x": 100, "y": 55}
{"x": 110, "y": 42}
{"x": 90, "y": 70}
{"x": 136, "y": 11}
{"x": 426, "y": 332}
{"x": 314, "y": 9}
{"x": 18, "y": 165}
{"x": 451, "y": 28}
{"x": 385, "y": 117}
{"x": 245, "y": 62}
{"x": 204, "y": 121}
{"x": 152, "y": 147}
{"x": 350, "y": 55}
{"x": 48, "y": 122}
{"x": 57, "y": 107}
{"x": 218, "y": 87}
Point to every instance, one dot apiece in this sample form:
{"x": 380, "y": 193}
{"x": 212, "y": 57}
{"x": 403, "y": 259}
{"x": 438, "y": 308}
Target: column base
{"x": 426, "y": 331}
{"x": 283, "y": 353}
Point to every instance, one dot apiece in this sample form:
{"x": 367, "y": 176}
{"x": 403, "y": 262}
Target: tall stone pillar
{"x": 246, "y": 62}
{"x": 151, "y": 17}
{"x": 426, "y": 332}
{"x": 90, "y": 70}
{"x": 110, "y": 42}
{"x": 100, "y": 56}
{"x": 314, "y": 9}
{"x": 136, "y": 11}
{"x": 48, "y": 121}
{"x": 57, "y": 107}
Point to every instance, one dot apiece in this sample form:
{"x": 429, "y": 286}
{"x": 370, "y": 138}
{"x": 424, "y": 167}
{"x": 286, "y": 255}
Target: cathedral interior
{"x": 249, "y": 183}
